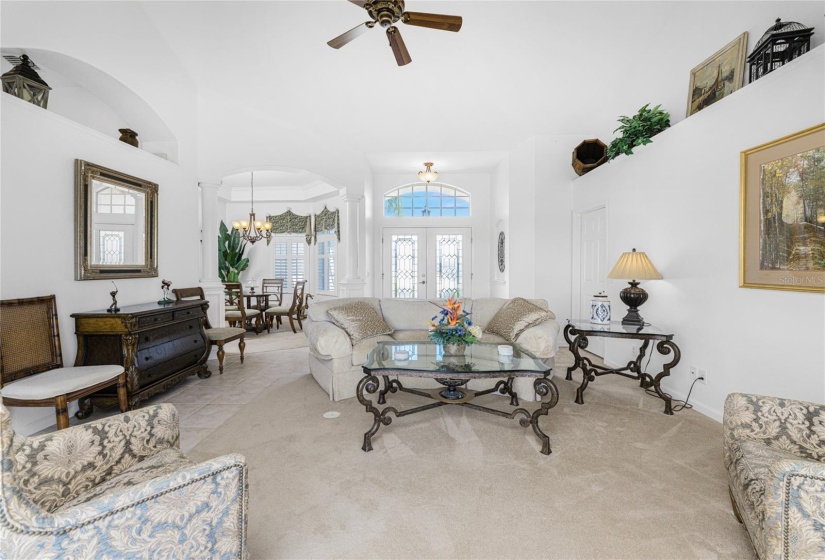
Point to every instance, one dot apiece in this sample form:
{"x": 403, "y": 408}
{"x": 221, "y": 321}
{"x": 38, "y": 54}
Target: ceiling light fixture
{"x": 428, "y": 175}
{"x": 253, "y": 230}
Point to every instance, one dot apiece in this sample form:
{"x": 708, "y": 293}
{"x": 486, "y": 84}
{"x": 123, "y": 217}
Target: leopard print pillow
{"x": 515, "y": 317}
{"x": 360, "y": 320}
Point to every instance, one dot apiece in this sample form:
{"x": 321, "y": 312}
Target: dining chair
{"x": 293, "y": 312}
{"x": 218, "y": 336}
{"x": 31, "y": 363}
{"x": 241, "y": 315}
{"x": 273, "y": 287}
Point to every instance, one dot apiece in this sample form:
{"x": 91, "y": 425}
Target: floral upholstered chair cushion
{"x": 774, "y": 453}
{"x": 118, "y": 488}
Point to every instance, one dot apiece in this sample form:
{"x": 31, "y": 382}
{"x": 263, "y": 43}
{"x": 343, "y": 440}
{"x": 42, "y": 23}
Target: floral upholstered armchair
{"x": 118, "y": 488}
{"x": 775, "y": 457}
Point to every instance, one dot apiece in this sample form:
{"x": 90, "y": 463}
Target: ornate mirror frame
{"x": 85, "y": 269}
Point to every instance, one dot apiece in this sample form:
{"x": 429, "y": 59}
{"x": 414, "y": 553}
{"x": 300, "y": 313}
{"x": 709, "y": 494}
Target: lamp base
{"x": 633, "y": 296}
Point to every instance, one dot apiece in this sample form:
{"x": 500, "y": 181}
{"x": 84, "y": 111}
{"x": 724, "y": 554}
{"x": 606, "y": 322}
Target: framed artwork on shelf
{"x": 782, "y": 213}
{"x": 718, "y": 76}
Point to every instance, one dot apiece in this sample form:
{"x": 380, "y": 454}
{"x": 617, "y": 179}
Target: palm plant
{"x": 231, "y": 261}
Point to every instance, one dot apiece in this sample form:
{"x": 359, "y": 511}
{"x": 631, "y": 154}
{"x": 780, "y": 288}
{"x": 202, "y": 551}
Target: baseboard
{"x": 697, "y": 406}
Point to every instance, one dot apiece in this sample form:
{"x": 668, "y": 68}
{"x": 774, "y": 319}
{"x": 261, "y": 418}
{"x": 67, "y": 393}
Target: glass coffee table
{"x": 480, "y": 361}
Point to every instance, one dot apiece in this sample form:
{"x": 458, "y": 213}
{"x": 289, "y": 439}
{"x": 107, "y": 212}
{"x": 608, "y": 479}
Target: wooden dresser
{"x": 158, "y": 345}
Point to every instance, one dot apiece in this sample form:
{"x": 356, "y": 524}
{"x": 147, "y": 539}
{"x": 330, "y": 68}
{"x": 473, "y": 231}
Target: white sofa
{"x": 337, "y": 365}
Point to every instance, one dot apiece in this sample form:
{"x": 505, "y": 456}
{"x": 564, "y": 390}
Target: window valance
{"x": 289, "y": 222}
{"x": 327, "y": 222}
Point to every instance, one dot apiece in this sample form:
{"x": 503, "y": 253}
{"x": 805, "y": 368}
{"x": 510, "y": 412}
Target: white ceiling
{"x": 272, "y": 95}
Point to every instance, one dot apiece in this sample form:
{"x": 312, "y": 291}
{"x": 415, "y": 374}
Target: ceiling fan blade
{"x": 399, "y": 49}
{"x": 433, "y": 21}
{"x": 359, "y": 3}
{"x": 345, "y": 38}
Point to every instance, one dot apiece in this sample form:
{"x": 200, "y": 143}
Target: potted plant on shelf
{"x": 638, "y": 130}
{"x": 231, "y": 261}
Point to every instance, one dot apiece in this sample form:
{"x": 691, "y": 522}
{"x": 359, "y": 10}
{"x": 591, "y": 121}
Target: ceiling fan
{"x": 386, "y": 13}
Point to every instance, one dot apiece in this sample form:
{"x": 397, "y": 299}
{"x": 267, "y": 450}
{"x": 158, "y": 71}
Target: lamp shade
{"x": 634, "y": 266}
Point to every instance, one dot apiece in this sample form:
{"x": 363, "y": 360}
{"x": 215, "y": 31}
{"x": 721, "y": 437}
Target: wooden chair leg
{"x": 122, "y": 397}
{"x": 733, "y": 505}
{"x": 292, "y": 324}
{"x": 61, "y": 410}
{"x": 300, "y": 324}
{"x": 242, "y": 346}
{"x": 221, "y": 354}
{"x": 85, "y": 408}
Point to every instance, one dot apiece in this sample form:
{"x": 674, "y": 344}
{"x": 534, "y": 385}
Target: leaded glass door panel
{"x": 426, "y": 263}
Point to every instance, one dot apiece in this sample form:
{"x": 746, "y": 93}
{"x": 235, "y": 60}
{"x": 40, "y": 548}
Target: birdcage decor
{"x": 780, "y": 44}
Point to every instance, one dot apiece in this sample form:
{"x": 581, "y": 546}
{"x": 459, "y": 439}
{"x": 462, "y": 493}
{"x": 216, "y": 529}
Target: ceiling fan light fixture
{"x": 428, "y": 175}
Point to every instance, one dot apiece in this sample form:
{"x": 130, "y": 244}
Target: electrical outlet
{"x": 694, "y": 373}
{"x": 703, "y": 376}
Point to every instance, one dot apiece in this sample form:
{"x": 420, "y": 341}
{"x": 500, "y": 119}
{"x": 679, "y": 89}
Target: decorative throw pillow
{"x": 360, "y": 320}
{"x": 515, "y": 317}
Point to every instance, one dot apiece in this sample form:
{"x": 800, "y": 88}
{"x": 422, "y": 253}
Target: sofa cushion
{"x": 411, "y": 335}
{"x": 409, "y": 314}
{"x": 363, "y": 347}
{"x": 360, "y": 320}
{"x": 319, "y": 309}
{"x": 516, "y": 316}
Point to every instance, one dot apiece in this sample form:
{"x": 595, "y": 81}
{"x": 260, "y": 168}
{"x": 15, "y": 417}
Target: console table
{"x": 577, "y": 332}
{"x": 158, "y": 345}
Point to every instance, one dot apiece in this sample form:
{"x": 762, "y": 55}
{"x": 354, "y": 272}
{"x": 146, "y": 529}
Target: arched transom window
{"x": 423, "y": 200}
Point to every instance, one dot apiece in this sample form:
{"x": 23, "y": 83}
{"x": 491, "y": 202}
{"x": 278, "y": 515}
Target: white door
{"x": 593, "y": 273}
{"x": 426, "y": 263}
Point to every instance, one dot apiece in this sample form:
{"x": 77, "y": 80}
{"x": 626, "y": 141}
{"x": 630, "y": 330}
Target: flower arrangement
{"x": 452, "y": 325}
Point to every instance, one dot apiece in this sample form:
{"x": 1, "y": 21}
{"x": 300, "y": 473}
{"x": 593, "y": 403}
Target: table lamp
{"x": 634, "y": 266}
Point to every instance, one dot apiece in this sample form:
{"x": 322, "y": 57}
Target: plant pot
{"x": 455, "y": 349}
{"x": 589, "y": 155}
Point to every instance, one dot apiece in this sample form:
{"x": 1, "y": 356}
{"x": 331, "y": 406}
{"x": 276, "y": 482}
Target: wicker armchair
{"x": 118, "y": 488}
{"x": 31, "y": 363}
{"x": 775, "y": 457}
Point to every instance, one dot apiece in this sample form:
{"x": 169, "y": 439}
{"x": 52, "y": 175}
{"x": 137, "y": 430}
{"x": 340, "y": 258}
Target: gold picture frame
{"x": 782, "y": 213}
{"x": 718, "y": 76}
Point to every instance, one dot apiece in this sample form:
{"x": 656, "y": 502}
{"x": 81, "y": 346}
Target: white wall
{"x": 477, "y": 184}
{"x": 37, "y": 209}
{"x": 677, "y": 199}
{"x": 38, "y": 153}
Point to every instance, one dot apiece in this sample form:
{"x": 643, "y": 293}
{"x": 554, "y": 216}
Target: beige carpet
{"x": 624, "y": 480}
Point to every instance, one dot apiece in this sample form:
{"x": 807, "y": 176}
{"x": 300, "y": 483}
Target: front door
{"x": 426, "y": 263}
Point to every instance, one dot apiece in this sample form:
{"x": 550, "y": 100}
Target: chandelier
{"x": 253, "y": 230}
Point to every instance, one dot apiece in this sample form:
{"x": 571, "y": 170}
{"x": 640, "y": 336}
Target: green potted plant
{"x": 231, "y": 261}
{"x": 638, "y": 130}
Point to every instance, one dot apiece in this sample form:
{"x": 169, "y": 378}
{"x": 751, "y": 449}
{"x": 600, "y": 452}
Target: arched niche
{"x": 88, "y": 96}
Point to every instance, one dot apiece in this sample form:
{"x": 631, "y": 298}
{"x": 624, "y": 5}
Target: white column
{"x": 209, "y": 279}
{"x": 353, "y": 283}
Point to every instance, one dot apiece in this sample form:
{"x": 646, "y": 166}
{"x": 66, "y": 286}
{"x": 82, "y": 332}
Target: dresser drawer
{"x": 155, "y": 319}
{"x": 166, "y": 333}
{"x": 188, "y": 314}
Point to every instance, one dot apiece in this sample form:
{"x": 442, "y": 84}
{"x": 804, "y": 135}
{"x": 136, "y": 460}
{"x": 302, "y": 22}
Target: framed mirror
{"x": 116, "y": 224}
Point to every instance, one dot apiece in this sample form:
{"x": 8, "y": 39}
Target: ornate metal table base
{"x": 543, "y": 386}
{"x": 633, "y": 369}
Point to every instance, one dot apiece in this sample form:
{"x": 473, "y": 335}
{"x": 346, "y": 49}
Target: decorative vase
{"x": 600, "y": 309}
{"x": 454, "y": 348}
{"x": 128, "y": 136}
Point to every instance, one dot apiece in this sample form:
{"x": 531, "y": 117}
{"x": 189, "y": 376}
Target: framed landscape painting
{"x": 782, "y": 213}
{"x": 718, "y": 76}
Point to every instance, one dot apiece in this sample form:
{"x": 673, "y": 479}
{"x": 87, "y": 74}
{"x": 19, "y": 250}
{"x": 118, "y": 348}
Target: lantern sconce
{"x": 23, "y": 81}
